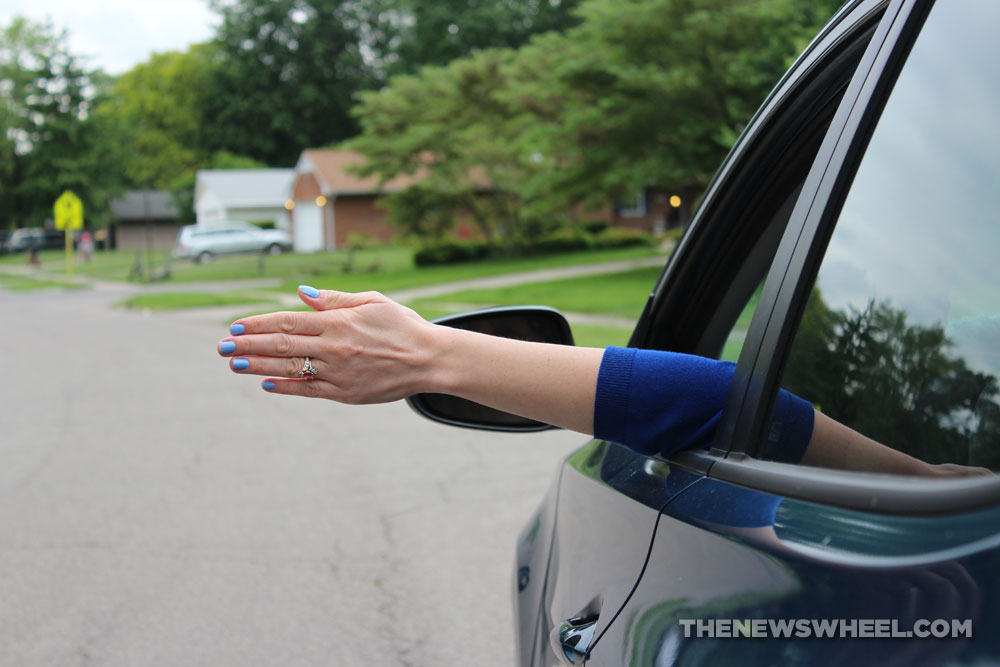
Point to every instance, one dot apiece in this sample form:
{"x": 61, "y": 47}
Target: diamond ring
{"x": 308, "y": 372}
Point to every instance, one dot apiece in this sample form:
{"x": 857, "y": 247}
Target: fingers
{"x": 277, "y": 366}
{"x": 303, "y": 323}
{"x": 309, "y": 388}
{"x": 328, "y": 299}
{"x": 298, "y": 323}
{"x": 271, "y": 345}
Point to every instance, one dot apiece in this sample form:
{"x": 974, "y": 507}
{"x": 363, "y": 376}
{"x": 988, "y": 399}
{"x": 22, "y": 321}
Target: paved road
{"x": 157, "y": 510}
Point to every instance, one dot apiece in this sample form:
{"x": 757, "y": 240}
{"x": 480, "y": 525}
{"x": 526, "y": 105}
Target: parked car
{"x": 845, "y": 251}
{"x": 25, "y": 238}
{"x": 203, "y": 242}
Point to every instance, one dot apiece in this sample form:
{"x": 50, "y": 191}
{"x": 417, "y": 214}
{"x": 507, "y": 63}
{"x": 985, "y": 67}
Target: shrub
{"x": 450, "y": 253}
{"x": 564, "y": 240}
{"x": 620, "y": 237}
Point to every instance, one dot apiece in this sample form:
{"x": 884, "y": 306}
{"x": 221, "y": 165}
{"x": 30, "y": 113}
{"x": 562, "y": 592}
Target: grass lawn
{"x": 623, "y": 294}
{"x": 383, "y": 269}
{"x": 19, "y": 282}
{"x": 174, "y": 300}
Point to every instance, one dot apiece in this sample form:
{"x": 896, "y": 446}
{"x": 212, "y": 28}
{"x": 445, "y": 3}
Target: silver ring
{"x": 308, "y": 372}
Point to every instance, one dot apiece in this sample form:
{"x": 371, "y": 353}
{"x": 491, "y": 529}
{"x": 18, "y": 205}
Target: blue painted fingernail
{"x": 237, "y": 329}
{"x": 267, "y": 385}
{"x": 227, "y": 347}
{"x": 311, "y": 292}
{"x": 240, "y": 364}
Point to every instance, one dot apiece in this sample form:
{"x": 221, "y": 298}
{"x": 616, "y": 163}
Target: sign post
{"x": 68, "y": 214}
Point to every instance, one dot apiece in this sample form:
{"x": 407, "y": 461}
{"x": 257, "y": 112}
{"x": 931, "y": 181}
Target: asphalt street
{"x": 156, "y": 509}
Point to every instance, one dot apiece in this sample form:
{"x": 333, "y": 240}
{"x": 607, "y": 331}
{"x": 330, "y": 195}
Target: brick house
{"x": 329, "y": 204}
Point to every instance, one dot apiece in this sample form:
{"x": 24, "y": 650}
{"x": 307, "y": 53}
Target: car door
{"x": 609, "y": 498}
{"x": 880, "y": 308}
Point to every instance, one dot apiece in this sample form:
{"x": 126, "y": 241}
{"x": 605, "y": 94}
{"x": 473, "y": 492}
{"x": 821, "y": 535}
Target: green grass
{"x": 590, "y": 335}
{"x": 385, "y": 268}
{"x": 623, "y": 294}
{"x": 394, "y": 278}
{"x": 175, "y": 300}
{"x": 19, "y": 283}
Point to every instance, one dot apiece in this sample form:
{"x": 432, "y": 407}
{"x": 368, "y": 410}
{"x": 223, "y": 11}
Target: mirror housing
{"x": 532, "y": 323}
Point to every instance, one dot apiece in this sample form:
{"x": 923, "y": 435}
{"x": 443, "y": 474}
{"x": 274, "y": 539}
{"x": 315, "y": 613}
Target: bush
{"x": 450, "y": 253}
{"x": 621, "y": 237}
{"x": 564, "y": 240}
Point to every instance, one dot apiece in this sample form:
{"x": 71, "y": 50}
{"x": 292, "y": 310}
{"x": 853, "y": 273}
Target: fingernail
{"x": 267, "y": 385}
{"x": 311, "y": 292}
{"x": 240, "y": 364}
{"x": 237, "y": 329}
{"x": 227, "y": 347}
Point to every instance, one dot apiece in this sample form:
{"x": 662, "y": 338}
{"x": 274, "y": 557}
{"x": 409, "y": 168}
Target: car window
{"x": 706, "y": 298}
{"x": 900, "y": 338}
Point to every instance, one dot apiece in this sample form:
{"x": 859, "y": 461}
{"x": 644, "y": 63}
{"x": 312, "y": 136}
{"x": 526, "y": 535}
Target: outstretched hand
{"x": 365, "y": 348}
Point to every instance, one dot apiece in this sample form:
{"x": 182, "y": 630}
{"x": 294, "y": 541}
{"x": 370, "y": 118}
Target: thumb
{"x": 328, "y": 299}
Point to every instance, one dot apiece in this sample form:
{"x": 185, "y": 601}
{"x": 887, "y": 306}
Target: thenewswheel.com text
{"x": 836, "y": 628}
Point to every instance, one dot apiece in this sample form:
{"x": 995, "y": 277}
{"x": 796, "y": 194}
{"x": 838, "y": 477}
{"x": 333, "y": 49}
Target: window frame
{"x": 682, "y": 313}
{"x": 751, "y": 398}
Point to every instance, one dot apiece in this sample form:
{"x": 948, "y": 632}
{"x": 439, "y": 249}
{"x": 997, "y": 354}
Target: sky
{"x": 118, "y": 34}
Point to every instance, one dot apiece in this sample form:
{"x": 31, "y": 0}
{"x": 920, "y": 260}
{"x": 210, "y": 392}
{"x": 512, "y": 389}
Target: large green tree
{"x": 287, "y": 74}
{"x": 654, "y": 92}
{"x": 641, "y": 93}
{"x": 455, "y": 127}
{"x": 160, "y": 104}
{"x": 52, "y": 141}
{"x": 435, "y": 32}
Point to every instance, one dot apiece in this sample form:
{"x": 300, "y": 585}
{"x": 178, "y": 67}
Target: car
{"x": 203, "y": 242}
{"x": 26, "y": 238}
{"x": 846, "y": 251}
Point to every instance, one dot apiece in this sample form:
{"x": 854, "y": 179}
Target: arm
{"x": 369, "y": 349}
{"x": 834, "y": 445}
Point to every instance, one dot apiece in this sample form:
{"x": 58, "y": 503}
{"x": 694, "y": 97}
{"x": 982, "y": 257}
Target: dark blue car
{"x": 847, "y": 250}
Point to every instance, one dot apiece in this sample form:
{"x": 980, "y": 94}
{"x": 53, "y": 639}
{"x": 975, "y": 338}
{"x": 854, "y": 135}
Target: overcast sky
{"x": 118, "y": 34}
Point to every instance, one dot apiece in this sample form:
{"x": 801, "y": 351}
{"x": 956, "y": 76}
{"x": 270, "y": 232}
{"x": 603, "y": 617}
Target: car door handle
{"x": 572, "y": 638}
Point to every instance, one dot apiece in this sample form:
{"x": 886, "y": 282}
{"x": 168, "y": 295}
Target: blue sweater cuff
{"x": 656, "y": 402}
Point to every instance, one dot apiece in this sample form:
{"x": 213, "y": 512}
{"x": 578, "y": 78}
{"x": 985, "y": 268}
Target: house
{"x": 252, "y": 195}
{"x": 329, "y": 204}
{"x": 143, "y": 219}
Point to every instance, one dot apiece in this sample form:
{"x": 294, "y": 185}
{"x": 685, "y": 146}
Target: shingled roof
{"x": 330, "y": 167}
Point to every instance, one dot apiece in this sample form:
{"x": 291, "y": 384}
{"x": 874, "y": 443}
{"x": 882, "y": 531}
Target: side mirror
{"x": 532, "y": 323}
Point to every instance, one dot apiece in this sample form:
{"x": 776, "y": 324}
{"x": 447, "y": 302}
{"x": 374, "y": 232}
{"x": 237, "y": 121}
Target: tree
{"x": 52, "y": 142}
{"x": 654, "y": 92}
{"x": 456, "y": 128}
{"x": 287, "y": 75}
{"x": 160, "y": 104}
{"x": 641, "y": 93}
{"x": 435, "y": 32}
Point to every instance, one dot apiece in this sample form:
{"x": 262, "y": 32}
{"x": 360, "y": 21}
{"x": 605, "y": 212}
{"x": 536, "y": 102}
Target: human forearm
{"x": 554, "y": 384}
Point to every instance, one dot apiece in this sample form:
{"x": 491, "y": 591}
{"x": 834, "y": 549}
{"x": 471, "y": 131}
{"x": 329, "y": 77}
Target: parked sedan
{"x": 855, "y": 227}
{"x": 203, "y": 242}
{"x": 34, "y": 237}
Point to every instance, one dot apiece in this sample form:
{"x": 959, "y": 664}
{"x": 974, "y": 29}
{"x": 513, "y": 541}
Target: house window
{"x": 633, "y": 208}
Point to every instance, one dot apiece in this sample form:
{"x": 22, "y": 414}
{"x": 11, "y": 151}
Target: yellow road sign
{"x": 68, "y": 211}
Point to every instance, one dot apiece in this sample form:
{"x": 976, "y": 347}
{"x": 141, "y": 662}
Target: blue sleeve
{"x": 656, "y": 402}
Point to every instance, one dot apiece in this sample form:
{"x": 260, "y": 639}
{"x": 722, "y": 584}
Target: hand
{"x": 956, "y": 470}
{"x": 365, "y": 348}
